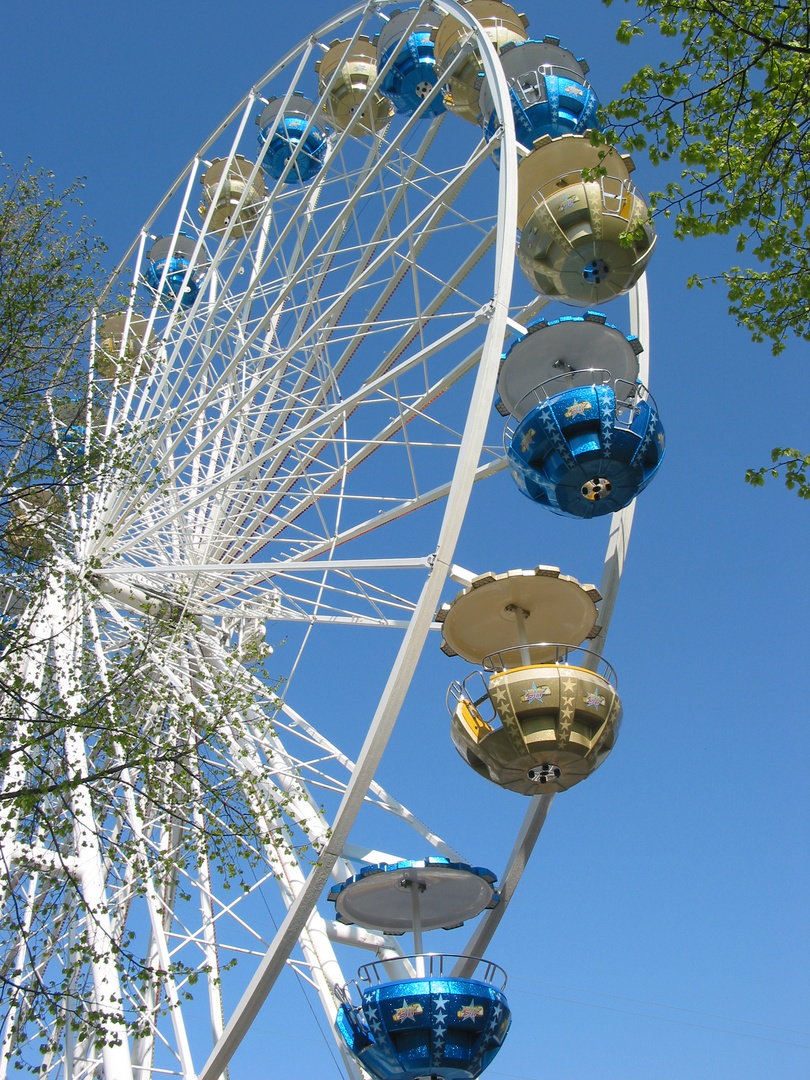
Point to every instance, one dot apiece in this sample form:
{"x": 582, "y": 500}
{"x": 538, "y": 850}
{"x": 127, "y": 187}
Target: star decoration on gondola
{"x": 439, "y": 1028}
{"x": 566, "y": 719}
{"x": 577, "y": 409}
{"x": 535, "y": 693}
{"x": 607, "y": 414}
{"x": 375, "y": 1023}
{"x": 498, "y": 695}
{"x": 409, "y": 1010}
{"x": 526, "y": 441}
{"x": 471, "y": 1011}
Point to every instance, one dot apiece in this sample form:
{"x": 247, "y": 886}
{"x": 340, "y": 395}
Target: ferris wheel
{"x": 321, "y": 338}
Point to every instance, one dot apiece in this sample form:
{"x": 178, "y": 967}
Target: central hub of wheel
{"x": 598, "y": 487}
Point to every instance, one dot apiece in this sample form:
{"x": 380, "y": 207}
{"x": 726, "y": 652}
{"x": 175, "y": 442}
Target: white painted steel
{"x": 90, "y": 871}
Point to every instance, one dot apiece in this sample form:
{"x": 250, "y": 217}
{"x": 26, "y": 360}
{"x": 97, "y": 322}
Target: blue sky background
{"x": 661, "y": 930}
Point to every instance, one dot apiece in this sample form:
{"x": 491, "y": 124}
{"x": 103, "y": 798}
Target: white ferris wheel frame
{"x": 303, "y": 926}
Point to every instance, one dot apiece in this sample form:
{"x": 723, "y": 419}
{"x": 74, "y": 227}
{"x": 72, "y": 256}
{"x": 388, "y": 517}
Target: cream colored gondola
{"x": 357, "y": 70}
{"x": 583, "y": 241}
{"x": 502, "y": 25}
{"x": 237, "y": 181}
{"x": 549, "y": 713}
{"x": 110, "y": 358}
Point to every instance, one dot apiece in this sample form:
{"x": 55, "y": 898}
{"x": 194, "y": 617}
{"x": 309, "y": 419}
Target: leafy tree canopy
{"x": 49, "y": 275}
{"x": 731, "y": 106}
{"x": 788, "y": 463}
{"x": 129, "y": 724}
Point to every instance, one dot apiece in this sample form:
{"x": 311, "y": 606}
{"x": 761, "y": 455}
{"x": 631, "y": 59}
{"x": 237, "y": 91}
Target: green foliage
{"x": 731, "y": 107}
{"x": 171, "y": 784}
{"x": 129, "y": 733}
{"x": 49, "y": 275}
{"x": 788, "y": 463}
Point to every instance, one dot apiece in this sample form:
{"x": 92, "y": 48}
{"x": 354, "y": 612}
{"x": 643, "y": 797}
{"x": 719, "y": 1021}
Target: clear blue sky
{"x": 662, "y": 929}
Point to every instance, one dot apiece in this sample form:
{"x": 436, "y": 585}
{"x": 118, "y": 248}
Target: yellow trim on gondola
{"x": 473, "y": 721}
{"x": 565, "y": 667}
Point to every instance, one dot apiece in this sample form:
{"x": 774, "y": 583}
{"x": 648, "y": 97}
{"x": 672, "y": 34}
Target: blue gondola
{"x": 435, "y": 1026}
{"x": 179, "y": 263}
{"x": 290, "y": 135}
{"x": 587, "y": 451}
{"x": 448, "y": 1016}
{"x": 548, "y": 89}
{"x": 584, "y": 435}
{"x": 412, "y": 75}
